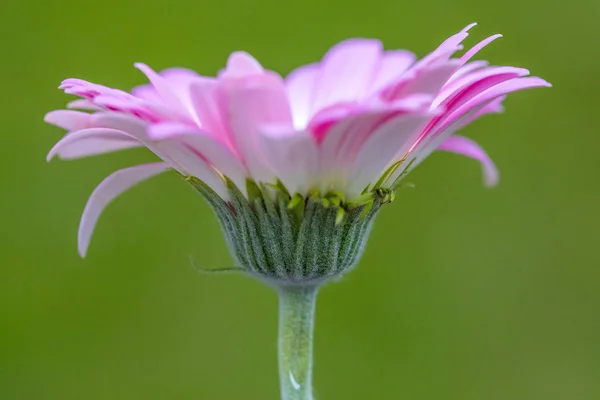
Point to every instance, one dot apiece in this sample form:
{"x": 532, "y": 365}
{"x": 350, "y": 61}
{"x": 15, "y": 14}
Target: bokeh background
{"x": 463, "y": 292}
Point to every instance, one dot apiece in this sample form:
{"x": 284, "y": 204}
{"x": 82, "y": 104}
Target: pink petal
{"x": 207, "y": 147}
{"x": 477, "y": 81}
{"x": 467, "y": 147}
{"x": 178, "y": 80}
{"x": 147, "y": 112}
{"x": 179, "y": 74}
{"x": 475, "y": 49}
{"x": 346, "y": 73}
{"x": 292, "y": 155}
{"x": 147, "y": 92}
{"x": 494, "y": 106}
{"x": 458, "y": 102}
{"x": 241, "y": 64}
{"x": 300, "y": 88}
{"x": 382, "y": 148}
{"x": 468, "y": 68}
{"x": 207, "y": 108}
{"x": 107, "y": 191}
{"x": 447, "y": 48}
{"x": 344, "y": 138}
{"x": 177, "y": 154}
{"x": 122, "y": 122}
{"x": 161, "y": 85}
{"x": 89, "y": 90}
{"x": 432, "y": 139}
{"x": 500, "y": 89}
{"x": 188, "y": 162}
{"x": 92, "y": 141}
{"x": 253, "y": 103}
{"x": 392, "y": 66}
{"x": 83, "y": 104}
{"x": 69, "y": 119}
{"x": 427, "y": 80}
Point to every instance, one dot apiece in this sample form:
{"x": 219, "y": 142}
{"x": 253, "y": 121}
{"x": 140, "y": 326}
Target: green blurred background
{"x": 463, "y": 293}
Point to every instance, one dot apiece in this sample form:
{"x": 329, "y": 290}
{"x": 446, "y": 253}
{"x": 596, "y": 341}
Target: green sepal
{"x": 254, "y": 192}
{"x": 388, "y": 172}
{"x": 294, "y": 240}
{"x": 396, "y": 182}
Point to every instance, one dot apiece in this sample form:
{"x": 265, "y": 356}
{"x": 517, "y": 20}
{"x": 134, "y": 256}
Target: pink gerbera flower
{"x": 352, "y": 124}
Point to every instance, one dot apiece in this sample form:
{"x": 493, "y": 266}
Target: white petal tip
{"x": 145, "y": 69}
{"x": 52, "y": 153}
{"x": 491, "y": 184}
{"x": 470, "y": 26}
{"x": 48, "y": 118}
{"x": 491, "y": 177}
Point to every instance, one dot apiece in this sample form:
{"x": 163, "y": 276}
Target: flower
{"x": 340, "y": 133}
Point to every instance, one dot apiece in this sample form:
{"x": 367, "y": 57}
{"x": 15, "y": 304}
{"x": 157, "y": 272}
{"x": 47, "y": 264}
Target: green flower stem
{"x": 296, "y": 325}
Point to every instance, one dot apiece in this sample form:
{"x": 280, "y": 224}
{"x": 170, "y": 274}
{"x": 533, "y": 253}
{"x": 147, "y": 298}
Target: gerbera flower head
{"x": 297, "y": 167}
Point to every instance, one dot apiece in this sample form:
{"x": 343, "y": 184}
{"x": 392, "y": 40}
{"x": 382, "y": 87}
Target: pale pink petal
{"x": 340, "y": 143}
{"x": 479, "y": 78}
{"x": 178, "y": 155}
{"x": 122, "y": 122}
{"x": 147, "y": 92}
{"x": 92, "y": 141}
{"x": 493, "y": 107}
{"x": 381, "y": 149}
{"x": 240, "y": 64}
{"x": 468, "y": 68}
{"x": 300, "y": 88}
{"x": 107, "y": 191}
{"x": 467, "y": 147}
{"x": 347, "y": 71}
{"x": 177, "y": 79}
{"x": 430, "y": 143}
{"x": 179, "y": 74}
{"x": 344, "y": 138}
{"x": 164, "y": 90}
{"x": 293, "y": 154}
{"x": 207, "y": 147}
{"x": 83, "y": 104}
{"x": 322, "y": 121}
{"x": 69, "y": 120}
{"x": 500, "y": 89}
{"x": 455, "y": 106}
{"x": 392, "y": 65}
{"x": 378, "y": 113}
{"x": 475, "y": 49}
{"x": 207, "y": 108}
{"x": 188, "y": 162}
{"x": 447, "y": 48}
{"x": 147, "y": 112}
{"x": 427, "y": 80}
{"x": 252, "y": 103}
{"x": 89, "y": 90}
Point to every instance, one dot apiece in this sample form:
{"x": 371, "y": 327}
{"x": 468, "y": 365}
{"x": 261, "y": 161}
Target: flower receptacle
{"x": 288, "y": 239}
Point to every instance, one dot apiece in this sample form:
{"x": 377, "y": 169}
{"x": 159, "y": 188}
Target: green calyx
{"x": 288, "y": 239}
